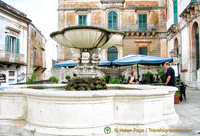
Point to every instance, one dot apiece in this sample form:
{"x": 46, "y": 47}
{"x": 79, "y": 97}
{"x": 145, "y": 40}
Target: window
{"x": 142, "y": 22}
{"x": 11, "y": 73}
{"x": 175, "y": 12}
{"x": 35, "y": 56}
{"x": 82, "y": 20}
{"x": 112, "y": 53}
{"x": 143, "y": 51}
{"x": 11, "y": 44}
{"x": 176, "y": 48}
{"x": 112, "y": 20}
{"x": 197, "y": 46}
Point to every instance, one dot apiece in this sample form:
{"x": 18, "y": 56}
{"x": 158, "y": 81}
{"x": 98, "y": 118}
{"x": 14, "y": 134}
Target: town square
{"x": 99, "y": 68}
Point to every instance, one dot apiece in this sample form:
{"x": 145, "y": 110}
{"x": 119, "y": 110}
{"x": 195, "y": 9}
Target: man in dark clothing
{"x": 170, "y": 75}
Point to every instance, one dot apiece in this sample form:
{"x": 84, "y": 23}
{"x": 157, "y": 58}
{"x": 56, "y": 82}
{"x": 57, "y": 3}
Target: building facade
{"x": 36, "y": 52}
{"x": 183, "y": 38}
{"x": 15, "y": 43}
{"x": 143, "y": 22}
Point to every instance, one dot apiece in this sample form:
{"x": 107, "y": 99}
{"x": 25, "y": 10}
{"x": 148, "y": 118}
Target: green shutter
{"x": 82, "y": 20}
{"x": 175, "y": 12}
{"x": 17, "y": 45}
{"x": 7, "y": 43}
{"x": 112, "y": 20}
{"x": 142, "y": 22}
{"x": 143, "y": 51}
{"x": 112, "y": 53}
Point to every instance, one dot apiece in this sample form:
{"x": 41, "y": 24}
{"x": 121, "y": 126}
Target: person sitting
{"x": 157, "y": 77}
{"x": 133, "y": 78}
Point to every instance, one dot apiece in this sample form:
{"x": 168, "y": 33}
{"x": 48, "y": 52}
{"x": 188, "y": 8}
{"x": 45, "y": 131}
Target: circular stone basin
{"x": 87, "y": 37}
{"x": 55, "y": 113}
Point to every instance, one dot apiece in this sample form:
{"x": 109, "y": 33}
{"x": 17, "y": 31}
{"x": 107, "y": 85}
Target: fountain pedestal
{"x": 86, "y": 61}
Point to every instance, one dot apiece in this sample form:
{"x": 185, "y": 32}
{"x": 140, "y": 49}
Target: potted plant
{"x": 176, "y": 97}
{"x": 184, "y": 70}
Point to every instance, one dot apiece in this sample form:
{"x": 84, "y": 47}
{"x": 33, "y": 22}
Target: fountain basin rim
{"x": 154, "y": 90}
{"x": 86, "y": 27}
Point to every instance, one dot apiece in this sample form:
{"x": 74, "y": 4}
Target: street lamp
{"x": 171, "y": 53}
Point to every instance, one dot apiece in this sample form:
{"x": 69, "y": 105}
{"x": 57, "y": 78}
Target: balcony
{"x": 39, "y": 65}
{"x": 112, "y": 1}
{"x": 139, "y": 27}
{"x": 184, "y": 5}
{"x": 11, "y": 58}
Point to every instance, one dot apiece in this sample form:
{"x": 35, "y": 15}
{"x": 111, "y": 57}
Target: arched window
{"x": 176, "y": 48}
{"x": 112, "y": 53}
{"x": 112, "y": 20}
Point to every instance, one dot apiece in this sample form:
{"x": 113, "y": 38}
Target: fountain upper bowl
{"x": 87, "y": 37}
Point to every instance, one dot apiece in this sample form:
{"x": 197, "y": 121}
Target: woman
{"x": 133, "y": 78}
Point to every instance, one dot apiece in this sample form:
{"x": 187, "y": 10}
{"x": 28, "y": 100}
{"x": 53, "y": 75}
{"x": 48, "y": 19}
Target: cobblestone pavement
{"x": 189, "y": 114}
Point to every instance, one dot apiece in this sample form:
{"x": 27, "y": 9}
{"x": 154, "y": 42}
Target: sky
{"x": 43, "y": 14}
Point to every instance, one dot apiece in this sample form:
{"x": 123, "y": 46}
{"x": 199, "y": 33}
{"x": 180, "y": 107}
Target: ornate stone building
{"x": 143, "y": 22}
{"x": 183, "y": 38}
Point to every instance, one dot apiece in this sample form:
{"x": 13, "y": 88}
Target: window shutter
{"x": 17, "y": 46}
{"x": 112, "y": 53}
{"x": 7, "y": 43}
{"x": 175, "y": 12}
{"x": 143, "y": 51}
{"x": 112, "y": 20}
{"x": 142, "y": 22}
{"x": 82, "y": 20}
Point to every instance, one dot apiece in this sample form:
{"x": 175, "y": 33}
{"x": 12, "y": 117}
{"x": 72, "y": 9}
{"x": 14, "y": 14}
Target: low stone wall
{"x": 30, "y": 112}
{"x": 61, "y": 73}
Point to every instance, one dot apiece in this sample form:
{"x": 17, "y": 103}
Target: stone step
{"x": 192, "y": 85}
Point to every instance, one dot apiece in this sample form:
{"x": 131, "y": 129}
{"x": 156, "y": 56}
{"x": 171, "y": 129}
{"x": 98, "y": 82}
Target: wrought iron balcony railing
{"x": 11, "y": 57}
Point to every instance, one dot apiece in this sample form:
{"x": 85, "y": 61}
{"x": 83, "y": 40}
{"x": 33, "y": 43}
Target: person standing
{"x": 170, "y": 75}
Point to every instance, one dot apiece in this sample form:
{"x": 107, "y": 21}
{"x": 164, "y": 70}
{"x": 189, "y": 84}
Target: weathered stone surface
{"x": 29, "y": 112}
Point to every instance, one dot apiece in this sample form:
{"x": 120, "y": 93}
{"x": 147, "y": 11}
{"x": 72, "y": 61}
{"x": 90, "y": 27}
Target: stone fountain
{"x": 131, "y": 111}
{"x": 86, "y": 43}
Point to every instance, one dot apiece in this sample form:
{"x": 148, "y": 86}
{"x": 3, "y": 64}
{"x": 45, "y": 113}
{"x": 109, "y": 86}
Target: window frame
{"x": 141, "y": 25}
{"x": 9, "y": 46}
{"x": 142, "y": 51}
{"x": 111, "y": 53}
{"x": 34, "y": 56}
{"x": 112, "y": 23}
{"x": 82, "y": 15}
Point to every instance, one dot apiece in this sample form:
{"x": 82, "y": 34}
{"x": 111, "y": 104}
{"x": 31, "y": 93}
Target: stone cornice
{"x": 7, "y": 9}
